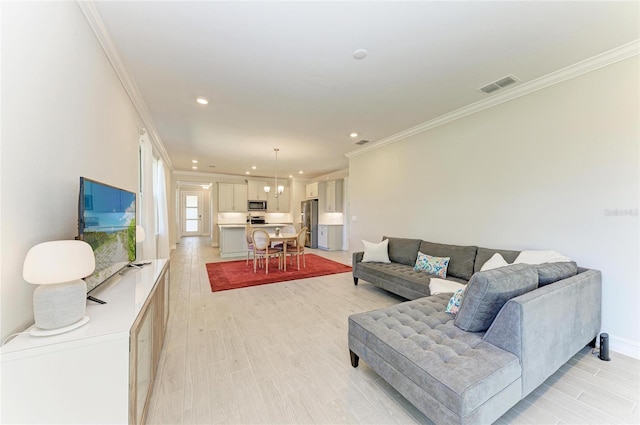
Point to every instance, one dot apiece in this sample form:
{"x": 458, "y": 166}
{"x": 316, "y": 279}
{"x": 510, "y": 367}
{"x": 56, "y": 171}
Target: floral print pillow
{"x": 436, "y": 266}
{"x": 454, "y": 303}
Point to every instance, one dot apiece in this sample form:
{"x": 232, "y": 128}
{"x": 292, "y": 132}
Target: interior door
{"x": 191, "y": 213}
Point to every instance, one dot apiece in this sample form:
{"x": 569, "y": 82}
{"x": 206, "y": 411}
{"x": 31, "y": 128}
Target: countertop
{"x": 254, "y": 225}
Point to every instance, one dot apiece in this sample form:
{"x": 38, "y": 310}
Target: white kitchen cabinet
{"x": 256, "y": 190}
{"x": 279, "y": 204}
{"x": 333, "y": 196}
{"x": 312, "y": 190}
{"x": 330, "y": 237}
{"x": 100, "y": 373}
{"x": 232, "y": 197}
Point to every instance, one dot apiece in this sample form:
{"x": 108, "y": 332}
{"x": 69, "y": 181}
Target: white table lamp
{"x": 58, "y": 267}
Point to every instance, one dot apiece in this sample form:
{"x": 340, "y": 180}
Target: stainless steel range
{"x": 256, "y": 219}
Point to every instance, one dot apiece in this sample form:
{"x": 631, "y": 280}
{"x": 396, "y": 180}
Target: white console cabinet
{"x": 101, "y": 373}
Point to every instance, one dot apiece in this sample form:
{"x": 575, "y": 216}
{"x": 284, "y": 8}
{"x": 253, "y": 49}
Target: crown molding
{"x": 94, "y": 19}
{"x": 596, "y": 62}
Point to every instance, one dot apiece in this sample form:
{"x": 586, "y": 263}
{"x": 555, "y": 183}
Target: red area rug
{"x": 238, "y": 274}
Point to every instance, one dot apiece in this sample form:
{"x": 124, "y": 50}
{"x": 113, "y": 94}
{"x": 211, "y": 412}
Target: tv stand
{"x": 95, "y": 300}
{"x": 102, "y": 372}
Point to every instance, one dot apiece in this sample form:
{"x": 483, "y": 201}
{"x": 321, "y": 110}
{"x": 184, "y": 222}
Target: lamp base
{"x": 36, "y": 331}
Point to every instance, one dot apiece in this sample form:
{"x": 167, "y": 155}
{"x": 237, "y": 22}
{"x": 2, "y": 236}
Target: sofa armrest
{"x": 548, "y": 326}
{"x": 357, "y": 257}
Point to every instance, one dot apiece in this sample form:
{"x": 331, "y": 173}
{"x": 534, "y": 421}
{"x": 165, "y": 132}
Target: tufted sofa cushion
{"x": 420, "y": 340}
{"x": 401, "y": 277}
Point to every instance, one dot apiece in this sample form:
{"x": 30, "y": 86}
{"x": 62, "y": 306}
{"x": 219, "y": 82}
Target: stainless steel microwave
{"x": 257, "y": 205}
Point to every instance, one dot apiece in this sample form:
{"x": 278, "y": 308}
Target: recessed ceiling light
{"x": 300, "y": 172}
{"x": 202, "y": 100}
{"x": 194, "y": 167}
{"x": 195, "y": 161}
{"x": 253, "y": 167}
{"x": 290, "y": 176}
{"x": 360, "y": 54}
{"x": 353, "y": 135}
{"x": 247, "y": 172}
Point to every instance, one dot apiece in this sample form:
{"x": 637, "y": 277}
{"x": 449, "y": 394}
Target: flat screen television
{"x": 107, "y": 222}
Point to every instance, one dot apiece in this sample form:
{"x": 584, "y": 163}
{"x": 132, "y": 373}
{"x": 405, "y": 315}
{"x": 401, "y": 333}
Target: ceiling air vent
{"x": 362, "y": 142}
{"x": 497, "y": 85}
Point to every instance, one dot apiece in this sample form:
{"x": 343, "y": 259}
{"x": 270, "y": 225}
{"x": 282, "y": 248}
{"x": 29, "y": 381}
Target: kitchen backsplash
{"x": 331, "y": 218}
{"x": 241, "y": 218}
{"x": 232, "y": 218}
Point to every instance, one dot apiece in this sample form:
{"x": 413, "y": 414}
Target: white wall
{"x": 537, "y": 172}
{"x": 64, "y": 115}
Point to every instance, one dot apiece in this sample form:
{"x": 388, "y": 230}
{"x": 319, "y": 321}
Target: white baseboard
{"x": 624, "y": 346}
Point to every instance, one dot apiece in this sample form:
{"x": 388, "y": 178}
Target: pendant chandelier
{"x": 279, "y": 189}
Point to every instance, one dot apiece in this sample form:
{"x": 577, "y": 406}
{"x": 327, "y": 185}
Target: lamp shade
{"x": 58, "y": 261}
{"x": 140, "y": 234}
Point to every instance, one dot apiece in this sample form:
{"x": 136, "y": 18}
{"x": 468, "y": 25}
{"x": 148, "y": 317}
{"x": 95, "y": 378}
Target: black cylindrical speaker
{"x": 604, "y": 347}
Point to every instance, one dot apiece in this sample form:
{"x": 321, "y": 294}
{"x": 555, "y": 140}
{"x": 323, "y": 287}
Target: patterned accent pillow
{"x": 454, "y": 303}
{"x": 436, "y": 266}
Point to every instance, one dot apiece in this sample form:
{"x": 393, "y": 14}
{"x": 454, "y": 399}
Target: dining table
{"x": 284, "y": 238}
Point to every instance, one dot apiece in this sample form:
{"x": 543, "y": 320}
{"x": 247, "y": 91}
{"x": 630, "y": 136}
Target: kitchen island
{"x": 233, "y": 241}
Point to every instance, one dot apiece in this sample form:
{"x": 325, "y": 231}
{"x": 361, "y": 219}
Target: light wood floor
{"x": 278, "y": 353}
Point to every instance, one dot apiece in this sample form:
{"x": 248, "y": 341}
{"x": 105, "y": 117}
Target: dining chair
{"x": 288, "y": 228}
{"x": 248, "y": 231}
{"x": 262, "y": 248}
{"x": 297, "y": 248}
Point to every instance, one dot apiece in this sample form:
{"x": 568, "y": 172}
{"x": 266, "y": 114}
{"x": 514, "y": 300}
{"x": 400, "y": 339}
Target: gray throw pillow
{"x": 489, "y": 290}
{"x": 553, "y": 272}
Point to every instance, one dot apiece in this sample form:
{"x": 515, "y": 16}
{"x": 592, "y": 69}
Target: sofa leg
{"x": 592, "y": 344}
{"x": 355, "y": 281}
{"x": 354, "y": 359}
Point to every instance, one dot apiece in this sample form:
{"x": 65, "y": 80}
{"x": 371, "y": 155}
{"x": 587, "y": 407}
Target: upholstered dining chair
{"x": 297, "y": 248}
{"x": 262, "y": 248}
{"x": 248, "y": 231}
{"x": 289, "y": 228}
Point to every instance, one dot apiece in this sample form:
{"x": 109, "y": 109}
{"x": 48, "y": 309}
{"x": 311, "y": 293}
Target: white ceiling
{"x": 282, "y": 74}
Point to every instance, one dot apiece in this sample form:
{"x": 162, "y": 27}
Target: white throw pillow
{"x": 497, "y": 260}
{"x": 376, "y": 252}
{"x": 442, "y": 286}
{"x": 539, "y": 257}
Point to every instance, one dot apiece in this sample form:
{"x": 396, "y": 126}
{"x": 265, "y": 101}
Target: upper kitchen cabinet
{"x": 333, "y": 196}
{"x": 256, "y": 190}
{"x": 312, "y": 190}
{"x": 281, "y": 203}
{"x": 232, "y": 197}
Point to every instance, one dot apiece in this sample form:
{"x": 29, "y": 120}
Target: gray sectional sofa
{"x": 516, "y": 326}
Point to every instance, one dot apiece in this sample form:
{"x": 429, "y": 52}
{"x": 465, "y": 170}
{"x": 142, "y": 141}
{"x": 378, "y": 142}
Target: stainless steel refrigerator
{"x": 310, "y": 221}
